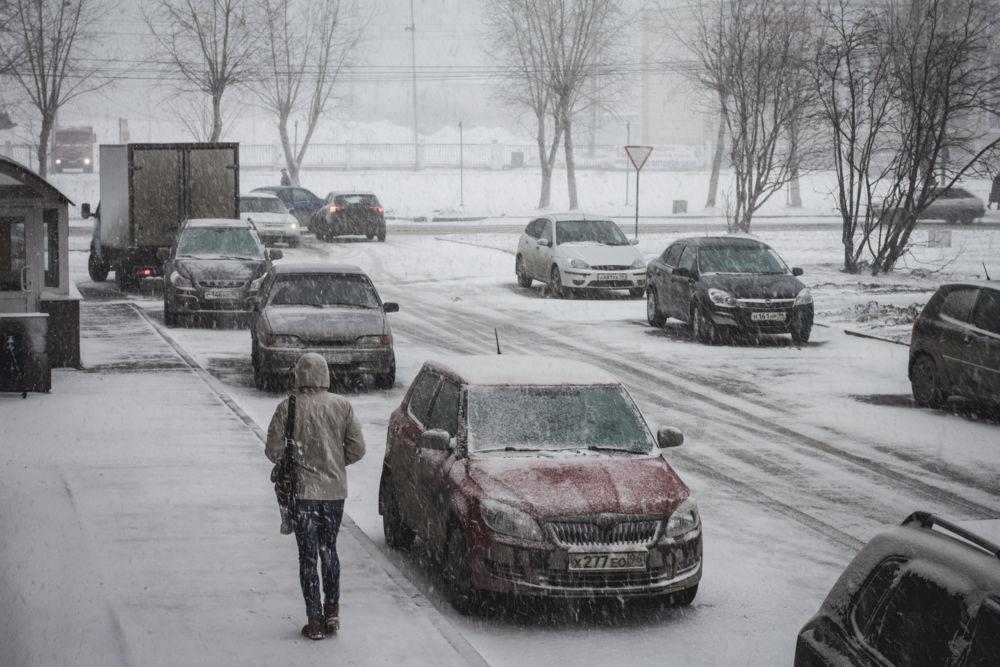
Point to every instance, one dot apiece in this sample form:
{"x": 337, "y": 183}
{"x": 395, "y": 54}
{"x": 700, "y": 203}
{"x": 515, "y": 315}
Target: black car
{"x": 914, "y": 595}
{"x": 300, "y": 202}
{"x": 349, "y": 214}
{"x": 214, "y": 267}
{"x": 955, "y": 346}
{"x": 727, "y": 285}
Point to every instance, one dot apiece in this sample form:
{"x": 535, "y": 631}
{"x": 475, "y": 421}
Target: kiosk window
{"x": 50, "y": 224}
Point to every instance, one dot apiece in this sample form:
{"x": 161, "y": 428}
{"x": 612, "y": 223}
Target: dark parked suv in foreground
{"x": 914, "y": 596}
{"x": 955, "y": 347}
{"x": 723, "y": 285}
{"x": 349, "y": 214}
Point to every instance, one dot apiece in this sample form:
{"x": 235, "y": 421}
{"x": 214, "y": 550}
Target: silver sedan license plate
{"x": 611, "y": 276}
{"x": 778, "y": 316}
{"x": 225, "y": 294}
{"x": 625, "y": 561}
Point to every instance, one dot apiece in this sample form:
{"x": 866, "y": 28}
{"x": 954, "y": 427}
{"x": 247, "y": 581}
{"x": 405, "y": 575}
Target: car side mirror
{"x": 274, "y": 253}
{"x": 436, "y": 439}
{"x": 796, "y": 271}
{"x": 390, "y": 307}
{"x": 84, "y": 211}
{"x": 163, "y": 254}
{"x": 543, "y": 242}
{"x": 669, "y": 437}
{"x": 634, "y": 241}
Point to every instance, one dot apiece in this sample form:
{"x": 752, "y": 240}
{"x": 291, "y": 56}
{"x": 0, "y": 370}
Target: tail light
{"x": 146, "y": 272}
{"x": 269, "y": 339}
{"x": 378, "y": 209}
{"x": 386, "y": 340}
{"x": 334, "y": 209}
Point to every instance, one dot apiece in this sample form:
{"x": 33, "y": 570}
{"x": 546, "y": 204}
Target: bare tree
{"x": 45, "y": 47}
{"x": 209, "y": 44}
{"x": 307, "y": 47}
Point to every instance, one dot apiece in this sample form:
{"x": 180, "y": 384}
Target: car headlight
{"x": 684, "y": 519}
{"x": 284, "y": 341}
{"x": 721, "y": 298}
{"x": 293, "y": 225}
{"x": 804, "y": 297}
{"x": 256, "y": 283}
{"x": 507, "y": 520}
{"x": 638, "y": 264}
{"x": 578, "y": 264}
{"x": 373, "y": 341}
{"x": 180, "y": 282}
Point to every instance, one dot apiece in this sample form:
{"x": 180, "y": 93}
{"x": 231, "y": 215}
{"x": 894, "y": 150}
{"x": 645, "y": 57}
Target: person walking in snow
{"x": 994, "y": 192}
{"x": 284, "y": 177}
{"x": 327, "y": 439}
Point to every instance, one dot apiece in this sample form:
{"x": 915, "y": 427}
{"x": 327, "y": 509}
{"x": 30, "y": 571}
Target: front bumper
{"x": 603, "y": 279}
{"x": 195, "y": 301}
{"x": 340, "y": 360}
{"x": 777, "y": 317}
{"x": 278, "y": 233}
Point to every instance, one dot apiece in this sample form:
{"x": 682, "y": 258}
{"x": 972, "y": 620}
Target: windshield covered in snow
{"x": 740, "y": 260}
{"x": 555, "y": 418}
{"x": 323, "y": 290}
{"x": 589, "y": 231}
{"x": 261, "y": 205}
{"x": 219, "y": 242}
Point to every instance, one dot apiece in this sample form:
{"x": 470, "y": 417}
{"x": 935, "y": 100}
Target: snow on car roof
{"x": 217, "y": 222}
{"x": 306, "y": 267}
{"x": 500, "y": 369}
{"x": 259, "y": 195}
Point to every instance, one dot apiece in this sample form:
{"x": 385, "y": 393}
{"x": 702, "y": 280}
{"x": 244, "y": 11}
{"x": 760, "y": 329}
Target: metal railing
{"x": 23, "y": 153}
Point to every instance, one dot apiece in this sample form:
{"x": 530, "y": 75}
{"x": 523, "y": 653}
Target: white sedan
{"x": 575, "y": 251}
{"x": 270, "y": 218}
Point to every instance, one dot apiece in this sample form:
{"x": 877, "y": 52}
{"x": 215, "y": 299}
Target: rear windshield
{"x": 352, "y": 290}
{"x": 363, "y": 200}
{"x": 589, "y": 231}
{"x": 261, "y": 205}
{"x": 740, "y": 260}
{"x": 223, "y": 242}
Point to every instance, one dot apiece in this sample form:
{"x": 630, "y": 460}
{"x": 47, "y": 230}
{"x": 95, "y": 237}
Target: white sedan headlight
{"x": 578, "y": 264}
{"x": 180, "y": 282}
{"x": 373, "y": 341}
{"x": 638, "y": 264}
{"x": 804, "y": 297}
{"x": 508, "y": 520}
{"x": 684, "y": 519}
{"x": 284, "y": 341}
{"x": 721, "y": 298}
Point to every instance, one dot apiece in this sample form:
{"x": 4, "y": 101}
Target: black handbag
{"x": 283, "y": 473}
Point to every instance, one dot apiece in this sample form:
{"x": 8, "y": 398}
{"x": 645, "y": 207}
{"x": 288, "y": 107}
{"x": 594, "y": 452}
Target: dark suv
{"x": 349, "y": 213}
{"x": 955, "y": 347}
{"x": 913, "y": 596}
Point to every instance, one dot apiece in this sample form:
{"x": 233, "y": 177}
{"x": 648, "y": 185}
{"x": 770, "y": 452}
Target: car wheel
{"x": 381, "y": 235}
{"x": 800, "y": 331}
{"x": 370, "y": 235}
{"x": 462, "y": 593}
{"x": 555, "y": 284}
{"x": 124, "y": 279}
{"x": 523, "y": 279}
{"x": 966, "y": 218}
{"x": 169, "y": 316}
{"x": 388, "y": 379}
{"x": 653, "y": 314}
{"x": 97, "y": 269}
{"x": 397, "y": 534}
{"x": 261, "y": 380}
{"x": 925, "y": 383}
{"x": 636, "y": 292}
{"x": 702, "y": 328}
{"x": 294, "y": 242}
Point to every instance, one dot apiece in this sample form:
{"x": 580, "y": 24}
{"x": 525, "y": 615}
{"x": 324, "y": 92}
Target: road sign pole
{"x": 637, "y": 204}
{"x": 638, "y": 156}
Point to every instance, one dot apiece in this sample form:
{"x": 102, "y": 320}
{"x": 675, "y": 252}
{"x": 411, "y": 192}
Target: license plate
{"x": 222, "y": 294}
{"x": 611, "y": 276}
{"x": 778, "y": 316}
{"x": 337, "y": 357}
{"x": 625, "y": 561}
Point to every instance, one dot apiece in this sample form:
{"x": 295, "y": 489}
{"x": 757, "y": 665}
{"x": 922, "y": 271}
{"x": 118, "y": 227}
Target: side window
{"x": 285, "y": 196}
{"x": 687, "y": 259}
{"x": 302, "y": 196}
{"x": 672, "y": 254}
{"x": 444, "y": 414}
{"x": 958, "y": 304}
{"x": 534, "y": 228}
{"x": 987, "y": 312}
{"x": 873, "y": 592}
{"x": 420, "y": 401}
{"x": 547, "y": 231}
{"x": 985, "y": 648}
{"x": 918, "y": 623}
{"x": 50, "y": 226}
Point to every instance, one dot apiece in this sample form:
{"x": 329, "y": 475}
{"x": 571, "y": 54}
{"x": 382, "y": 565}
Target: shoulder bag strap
{"x": 290, "y": 427}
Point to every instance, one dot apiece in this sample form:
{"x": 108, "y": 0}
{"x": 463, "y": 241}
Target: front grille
{"x": 598, "y": 580}
{"x": 605, "y": 531}
{"x": 222, "y": 283}
{"x": 610, "y": 267}
{"x": 766, "y": 304}
{"x": 611, "y": 283}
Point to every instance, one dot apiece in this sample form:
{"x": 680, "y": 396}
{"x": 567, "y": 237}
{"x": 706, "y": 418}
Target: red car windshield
{"x": 555, "y": 418}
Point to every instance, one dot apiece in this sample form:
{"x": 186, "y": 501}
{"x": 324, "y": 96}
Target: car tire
{"x": 294, "y": 242}
{"x": 462, "y": 593}
{"x": 966, "y": 218}
{"x": 555, "y": 284}
{"x": 523, "y": 279}
{"x": 654, "y": 315}
{"x": 925, "y": 383}
{"x": 636, "y": 292}
{"x": 370, "y": 235}
{"x": 97, "y": 269}
{"x": 388, "y": 379}
{"x": 397, "y": 534}
{"x": 702, "y": 328}
{"x": 124, "y": 279}
{"x": 169, "y": 317}
{"x": 800, "y": 331}
{"x": 381, "y": 235}
{"x": 261, "y": 379}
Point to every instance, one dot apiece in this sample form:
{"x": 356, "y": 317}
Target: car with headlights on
{"x": 349, "y": 214}
{"x": 212, "y": 268}
{"x": 540, "y": 477}
{"x": 575, "y": 251}
{"x": 727, "y": 285}
{"x": 269, "y": 216}
{"x": 333, "y": 310}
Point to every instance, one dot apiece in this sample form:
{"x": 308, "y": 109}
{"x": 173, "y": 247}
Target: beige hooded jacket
{"x": 327, "y": 434}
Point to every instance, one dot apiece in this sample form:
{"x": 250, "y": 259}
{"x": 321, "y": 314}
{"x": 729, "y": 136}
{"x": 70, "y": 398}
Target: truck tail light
{"x": 145, "y": 272}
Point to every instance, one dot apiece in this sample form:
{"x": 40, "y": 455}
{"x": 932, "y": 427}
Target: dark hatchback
{"x": 727, "y": 285}
{"x": 924, "y": 593}
{"x": 955, "y": 346}
{"x": 349, "y": 214}
{"x": 213, "y": 268}
{"x": 300, "y": 202}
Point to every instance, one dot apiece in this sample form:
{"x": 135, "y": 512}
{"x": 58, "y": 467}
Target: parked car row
{"x": 341, "y": 213}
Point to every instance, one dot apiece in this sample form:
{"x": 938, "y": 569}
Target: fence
{"x": 23, "y": 153}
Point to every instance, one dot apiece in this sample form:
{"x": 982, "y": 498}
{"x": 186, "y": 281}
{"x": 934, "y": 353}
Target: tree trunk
{"x": 546, "y": 193}
{"x": 216, "y": 117}
{"x": 286, "y": 148}
{"x": 720, "y": 147}
{"x": 570, "y": 166}
{"x": 48, "y": 120}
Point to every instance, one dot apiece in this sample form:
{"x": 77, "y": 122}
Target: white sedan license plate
{"x": 778, "y": 316}
{"x": 625, "y": 561}
{"x": 337, "y": 357}
{"x": 226, "y": 294}
{"x": 611, "y": 276}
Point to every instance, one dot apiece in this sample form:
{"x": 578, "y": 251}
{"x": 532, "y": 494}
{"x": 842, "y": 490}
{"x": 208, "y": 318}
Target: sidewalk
{"x": 138, "y": 527}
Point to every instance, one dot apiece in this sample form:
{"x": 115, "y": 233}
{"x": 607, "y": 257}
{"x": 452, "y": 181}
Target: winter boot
{"x": 313, "y": 630}
{"x": 286, "y": 521}
{"x": 331, "y": 617}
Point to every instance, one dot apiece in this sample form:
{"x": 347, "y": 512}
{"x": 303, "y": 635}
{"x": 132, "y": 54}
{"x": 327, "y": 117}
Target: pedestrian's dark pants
{"x": 317, "y": 523}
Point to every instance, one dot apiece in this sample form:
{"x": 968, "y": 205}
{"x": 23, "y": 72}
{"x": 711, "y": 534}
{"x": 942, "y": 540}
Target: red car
{"x": 537, "y": 476}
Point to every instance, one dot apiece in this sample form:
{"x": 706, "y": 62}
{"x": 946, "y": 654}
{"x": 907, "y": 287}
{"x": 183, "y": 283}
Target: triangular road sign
{"x": 638, "y": 155}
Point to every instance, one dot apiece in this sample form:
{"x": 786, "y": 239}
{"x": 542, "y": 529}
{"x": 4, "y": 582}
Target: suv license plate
{"x": 625, "y": 561}
{"x": 230, "y": 295}
{"x": 612, "y": 276}
{"x": 778, "y": 316}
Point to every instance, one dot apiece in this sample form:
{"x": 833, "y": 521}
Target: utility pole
{"x": 461, "y": 165}
{"x": 628, "y": 129}
{"x": 413, "y": 49}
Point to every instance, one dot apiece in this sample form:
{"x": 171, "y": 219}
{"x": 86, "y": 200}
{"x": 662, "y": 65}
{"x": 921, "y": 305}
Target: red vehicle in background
{"x": 74, "y": 149}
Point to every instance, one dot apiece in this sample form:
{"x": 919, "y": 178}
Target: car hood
{"x": 755, "y": 285}
{"x": 329, "y": 323}
{"x": 268, "y": 218}
{"x": 543, "y": 488}
{"x": 601, "y": 255}
{"x": 201, "y": 270}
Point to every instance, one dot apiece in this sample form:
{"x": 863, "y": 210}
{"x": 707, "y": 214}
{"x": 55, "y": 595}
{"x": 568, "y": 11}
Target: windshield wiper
{"x": 598, "y": 448}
